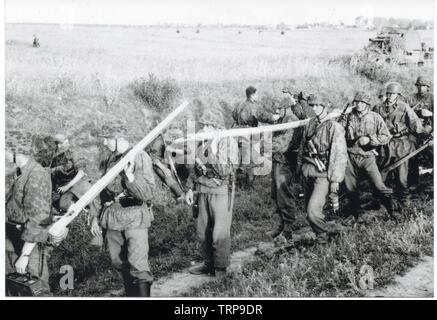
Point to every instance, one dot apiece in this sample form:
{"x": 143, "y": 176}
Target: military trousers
{"x": 316, "y": 191}
{"x": 129, "y": 250}
{"x": 282, "y": 193}
{"x": 364, "y": 166}
{"x": 37, "y": 266}
{"x": 397, "y": 149}
{"x": 214, "y": 229}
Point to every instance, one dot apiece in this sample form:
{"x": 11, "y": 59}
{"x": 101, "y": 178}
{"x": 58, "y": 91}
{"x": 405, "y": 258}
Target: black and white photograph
{"x": 218, "y": 149}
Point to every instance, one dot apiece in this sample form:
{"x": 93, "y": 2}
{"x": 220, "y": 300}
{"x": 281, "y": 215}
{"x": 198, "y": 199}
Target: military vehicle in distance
{"x": 400, "y": 46}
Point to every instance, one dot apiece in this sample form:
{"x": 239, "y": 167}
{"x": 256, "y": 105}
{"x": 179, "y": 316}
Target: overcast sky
{"x": 211, "y": 11}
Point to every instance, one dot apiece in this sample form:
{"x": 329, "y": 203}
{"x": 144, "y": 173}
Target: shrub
{"x": 158, "y": 95}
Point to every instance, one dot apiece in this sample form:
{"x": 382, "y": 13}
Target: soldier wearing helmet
{"x": 423, "y": 104}
{"x": 69, "y": 180}
{"x": 127, "y": 212}
{"x": 285, "y": 149}
{"x": 322, "y": 159}
{"x": 212, "y": 177}
{"x": 403, "y": 124}
{"x": 28, "y": 214}
{"x": 250, "y": 113}
{"x": 365, "y": 131}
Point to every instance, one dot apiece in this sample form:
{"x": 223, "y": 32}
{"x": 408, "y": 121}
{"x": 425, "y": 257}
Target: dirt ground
{"x": 416, "y": 283}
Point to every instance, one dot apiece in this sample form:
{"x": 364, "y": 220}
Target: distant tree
{"x": 281, "y": 26}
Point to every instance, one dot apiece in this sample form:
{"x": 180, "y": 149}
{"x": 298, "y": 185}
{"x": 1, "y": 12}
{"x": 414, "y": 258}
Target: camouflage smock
{"x": 369, "y": 125}
{"x": 423, "y": 102}
{"x": 220, "y": 166}
{"x": 117, "y": 217}
{"x": 329, "y": 140}
{"x": 28, "y": 202}
{"x": 401, "y": 122}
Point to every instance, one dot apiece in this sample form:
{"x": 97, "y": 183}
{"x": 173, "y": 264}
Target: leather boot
{"x": 129, "y": 287}
{"x": 143, "y": 287}
{"x": 287, "y": 231}
{"x": 276, "y": 231}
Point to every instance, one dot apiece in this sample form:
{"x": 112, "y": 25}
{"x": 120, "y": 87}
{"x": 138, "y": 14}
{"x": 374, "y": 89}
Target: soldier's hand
{"x": 63, "y": 189}
{"x": 189, "y": 197}
{"x": 428, "y": 129}
{"x": 334, "y": 187}
{"x": 363, "y": 141}
{"x": 349, "y": 109}
{"x": 95, "y": 228}
{"x": 425, "y": 113}
{"x": 129, "y": 171}
{"x": 276, "y": 117}
{"x": 59, "y": 236}
{"x": 21, "y": 264}
{"x": 293, "y": 101}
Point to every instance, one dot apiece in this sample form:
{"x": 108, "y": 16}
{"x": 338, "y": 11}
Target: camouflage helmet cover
{"x": 362, "y": 97}
{"x": 113, "y": 129}
{"x": 17, "y": 141}
{"x": 315, "y": 100}
{"x": 394, "y": 87}
{"x": 422, "y": 81}
{"x": 44, "y": 149}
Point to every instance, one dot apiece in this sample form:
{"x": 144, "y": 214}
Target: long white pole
{"x": 94, "y": 191}
{"x": 237, "y": 132}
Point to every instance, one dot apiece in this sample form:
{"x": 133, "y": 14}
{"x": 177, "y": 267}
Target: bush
{"x": 158, "y": 95}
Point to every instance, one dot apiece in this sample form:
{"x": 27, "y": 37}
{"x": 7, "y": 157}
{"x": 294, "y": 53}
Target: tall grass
{"x": 78, "y": 80}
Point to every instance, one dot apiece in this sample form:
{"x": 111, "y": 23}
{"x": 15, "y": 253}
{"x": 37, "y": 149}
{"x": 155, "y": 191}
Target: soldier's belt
{"x": 126, "y": 202}
{"x": 399, "y": 134}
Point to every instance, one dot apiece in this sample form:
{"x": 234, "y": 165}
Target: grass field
{"x": 82, "y": 76}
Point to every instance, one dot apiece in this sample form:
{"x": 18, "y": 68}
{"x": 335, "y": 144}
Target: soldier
{"x": 35, "y": 43}
{"x": 167, "y": 161}
{"x": 28, "y": 216}
{"x": 402, "y": 123}
{"x": 212, "y": 179}
{"x": 69, "y": 179}
{"x": 365, "y": 131}
{"x": 285, "y": 146}
{"x": 323, "y": 159}
{"x": 248, "y": 114}
{"x": 127, "y": 215}
{"x": 422, "y": 103}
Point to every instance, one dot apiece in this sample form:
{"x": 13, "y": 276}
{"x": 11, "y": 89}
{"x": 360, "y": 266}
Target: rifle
{"x": 393, "y": 166}
{"x": 396, "y": 164}
{"x": 57, "y": 228}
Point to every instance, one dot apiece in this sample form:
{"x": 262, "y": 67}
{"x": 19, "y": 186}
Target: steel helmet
{"x": 315, "y": 100}
{"x": 421, "y": 81}
{"x": 362, "y": 97}
{"x": 394, "y": 87}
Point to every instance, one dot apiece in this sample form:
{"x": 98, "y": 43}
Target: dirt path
{"x": 181, "y": 282}
{"x": 416, "y": 283}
